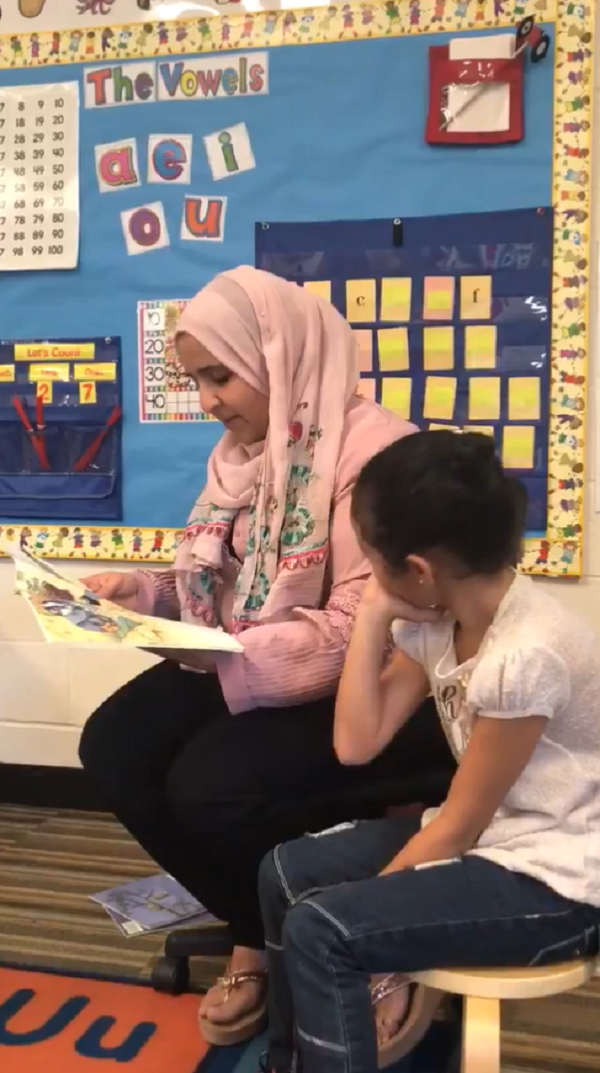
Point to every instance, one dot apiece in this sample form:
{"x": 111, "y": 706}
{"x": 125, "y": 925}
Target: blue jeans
{"x": 331, "y": 922}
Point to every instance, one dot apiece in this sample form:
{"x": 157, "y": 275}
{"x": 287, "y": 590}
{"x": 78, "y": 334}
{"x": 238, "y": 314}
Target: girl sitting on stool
{"x": 507, "y": 871}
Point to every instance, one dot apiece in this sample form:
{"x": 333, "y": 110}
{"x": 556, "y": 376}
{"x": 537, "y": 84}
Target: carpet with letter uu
{"x": 50, "y": 863}
{"x": 53, "y": 1022}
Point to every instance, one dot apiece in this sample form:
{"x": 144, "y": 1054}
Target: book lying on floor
{"x": 67, "y": 612}
{"x": 153, "y": 904}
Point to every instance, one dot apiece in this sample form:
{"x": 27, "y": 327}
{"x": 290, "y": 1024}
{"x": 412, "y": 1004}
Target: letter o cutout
{"x": 144, "y": 227}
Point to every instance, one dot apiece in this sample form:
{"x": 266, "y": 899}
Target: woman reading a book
{"x": 210, "y": 770}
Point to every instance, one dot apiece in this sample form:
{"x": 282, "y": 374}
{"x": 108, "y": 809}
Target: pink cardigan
{"x": 300, "y": 660}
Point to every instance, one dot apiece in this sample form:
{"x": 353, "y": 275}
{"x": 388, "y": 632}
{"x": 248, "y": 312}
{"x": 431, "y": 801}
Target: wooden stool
{"x": 484, "y": 990}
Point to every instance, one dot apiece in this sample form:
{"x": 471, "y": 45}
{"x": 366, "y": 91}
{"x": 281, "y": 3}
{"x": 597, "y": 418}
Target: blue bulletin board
{"x": 192, "y": 134}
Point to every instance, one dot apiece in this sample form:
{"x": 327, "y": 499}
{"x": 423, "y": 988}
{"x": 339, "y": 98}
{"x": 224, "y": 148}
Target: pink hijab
{"x": 296, "y": 348}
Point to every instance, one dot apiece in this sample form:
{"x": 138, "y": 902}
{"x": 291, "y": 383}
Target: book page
{"x": 69, "y": 614}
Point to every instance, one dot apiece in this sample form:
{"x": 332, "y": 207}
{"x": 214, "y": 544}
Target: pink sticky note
{"x": 438, "y": 298}
{"x": 364, "y": 338}
{"x": 366, "y": 388}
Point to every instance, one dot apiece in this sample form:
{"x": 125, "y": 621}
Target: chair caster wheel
{"x": 170, "y": 975}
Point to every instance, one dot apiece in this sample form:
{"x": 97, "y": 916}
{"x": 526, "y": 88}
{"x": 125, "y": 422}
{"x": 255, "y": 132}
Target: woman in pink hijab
{"x": 209, "y": 771}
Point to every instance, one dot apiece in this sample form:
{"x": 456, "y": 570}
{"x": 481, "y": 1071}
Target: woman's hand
{"x": 119, "y": 588}
{"x": 386, "y": 608}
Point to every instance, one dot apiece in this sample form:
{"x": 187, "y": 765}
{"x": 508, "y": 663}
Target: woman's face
{"x": 243, "y": 411}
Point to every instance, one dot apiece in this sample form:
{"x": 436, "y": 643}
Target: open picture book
{"x": 70, "y": 614}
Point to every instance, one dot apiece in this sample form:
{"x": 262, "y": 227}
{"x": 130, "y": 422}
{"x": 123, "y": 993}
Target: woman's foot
{"x": 391, "y": 999}
{"x": 223, "y": 1004}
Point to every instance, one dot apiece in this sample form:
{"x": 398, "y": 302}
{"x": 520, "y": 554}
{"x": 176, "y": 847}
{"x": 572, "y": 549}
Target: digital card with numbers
{"x": 166, "y": 392}
{"x": 39, "y": 177}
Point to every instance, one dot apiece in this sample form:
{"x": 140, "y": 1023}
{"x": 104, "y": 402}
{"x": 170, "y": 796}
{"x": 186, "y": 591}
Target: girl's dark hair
{"x": 441, "y": 490}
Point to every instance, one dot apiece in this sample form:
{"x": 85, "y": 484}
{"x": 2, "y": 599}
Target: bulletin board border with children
{"x": 559, "y": 552}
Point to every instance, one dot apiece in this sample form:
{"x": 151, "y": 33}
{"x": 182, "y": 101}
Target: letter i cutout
{"x": 228, "y": 151}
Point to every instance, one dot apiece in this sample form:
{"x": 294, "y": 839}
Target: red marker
{"x": 37, "y": 435}
{"x": 88, "y": 456}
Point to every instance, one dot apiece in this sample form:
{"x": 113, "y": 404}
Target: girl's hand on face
{"x": 382, "y": 605}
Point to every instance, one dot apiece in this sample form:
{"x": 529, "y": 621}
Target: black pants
{"x": 208, "y": 794}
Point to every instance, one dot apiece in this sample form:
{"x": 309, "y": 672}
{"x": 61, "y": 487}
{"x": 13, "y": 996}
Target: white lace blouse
{"x": 536, "y": 659}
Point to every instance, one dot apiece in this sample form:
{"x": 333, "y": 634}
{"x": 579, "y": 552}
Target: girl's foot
{"x": 403, "y": 1013}
{"x": 391, "y": 998}
{"x": 234, "y": 1009}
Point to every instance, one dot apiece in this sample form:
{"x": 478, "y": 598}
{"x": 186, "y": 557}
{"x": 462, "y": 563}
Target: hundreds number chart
{"x": 39, "y": 177}
{"x": 166, "y": 392}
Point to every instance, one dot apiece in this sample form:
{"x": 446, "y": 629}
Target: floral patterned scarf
{"x": 296, "y": 348}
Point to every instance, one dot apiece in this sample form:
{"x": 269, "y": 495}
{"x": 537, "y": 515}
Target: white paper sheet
{"x": 481, "y": 108}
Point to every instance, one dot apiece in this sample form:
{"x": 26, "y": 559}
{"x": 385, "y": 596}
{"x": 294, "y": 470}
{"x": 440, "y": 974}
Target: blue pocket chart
{"x": 60, "y": 429}
{"x": 452, "y": 315}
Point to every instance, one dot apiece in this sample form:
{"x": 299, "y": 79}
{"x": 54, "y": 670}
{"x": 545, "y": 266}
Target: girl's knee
{"x": 296, "y": 866}
{"x": 305, "y": 928}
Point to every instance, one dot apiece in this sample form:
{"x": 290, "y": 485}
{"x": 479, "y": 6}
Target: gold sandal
{"x": 248, "y": 1024}
{"x": 422, "y": 1006}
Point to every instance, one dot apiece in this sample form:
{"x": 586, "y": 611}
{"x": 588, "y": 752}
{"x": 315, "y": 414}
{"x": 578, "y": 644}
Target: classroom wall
{"x": 46, "y": 692}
